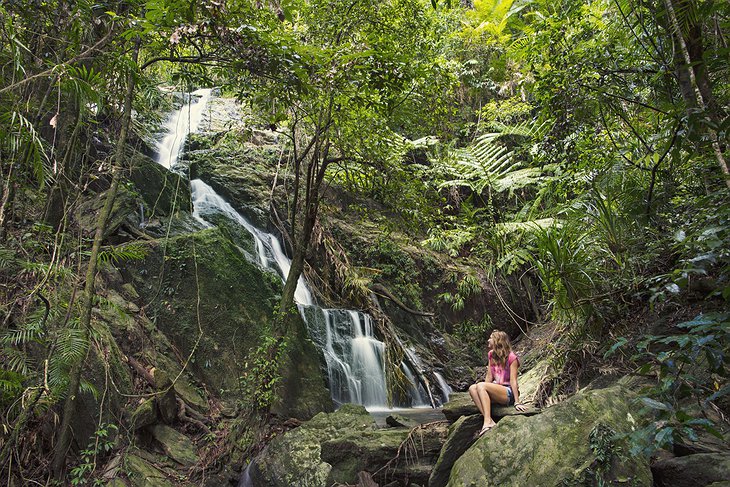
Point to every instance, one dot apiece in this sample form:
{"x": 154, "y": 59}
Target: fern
{"x": 17, "y": 361}
{"x": 18, "y": 133}
{"x": 487, "y": 163}
{"x": 122, "y": 253}
{"x": 7, "y": 259}
{"x": 72, "y": 345}
{"x": 526, "y": 226}
{"x": 11, "y": 385}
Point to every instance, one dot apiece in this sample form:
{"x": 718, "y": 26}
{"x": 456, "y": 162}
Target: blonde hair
{"x": 501, "y": 347}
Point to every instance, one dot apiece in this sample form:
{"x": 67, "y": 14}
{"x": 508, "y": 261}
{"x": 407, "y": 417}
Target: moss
{"x": 207, "y": 299}
{"x": 142, "y": 474}
{"x": 163, "y": 192}
{"x": 552, "y": 447}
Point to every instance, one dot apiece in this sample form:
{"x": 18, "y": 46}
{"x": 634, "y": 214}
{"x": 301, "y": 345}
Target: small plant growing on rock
{"x": 261, "y": 372}
{"x": 102, "y": 443}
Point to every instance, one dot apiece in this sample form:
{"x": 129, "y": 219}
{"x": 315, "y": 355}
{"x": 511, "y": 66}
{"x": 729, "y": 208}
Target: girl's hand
{"x": 520, "y": 407}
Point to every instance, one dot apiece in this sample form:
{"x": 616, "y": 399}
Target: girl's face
{"x": 490, "y": 343}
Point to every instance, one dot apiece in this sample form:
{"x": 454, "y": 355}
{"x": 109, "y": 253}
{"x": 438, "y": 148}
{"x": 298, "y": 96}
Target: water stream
{"x": 354, "y": 357}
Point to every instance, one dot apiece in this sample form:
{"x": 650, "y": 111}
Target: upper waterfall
{"x": 179, "y": 124}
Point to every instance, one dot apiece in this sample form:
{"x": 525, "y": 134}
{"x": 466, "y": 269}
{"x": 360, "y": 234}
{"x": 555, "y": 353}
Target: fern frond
{"x": 7, "y": 259}
{"x": 11, "y": 384}
{"x": 122, "y": 253}
{"x": 528, "y": 226}
{"x": 17, "y": 361}
{"x": 72, "y": 345}
{"x": 18, "y": 133}
{"x": 88, "y": 388}
{"x": 487, "y": 163}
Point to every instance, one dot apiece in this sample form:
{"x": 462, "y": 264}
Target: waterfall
{"x": 353, "y": 355}
{"x": 445, "y": 388}
{"x": 182, "y": 122}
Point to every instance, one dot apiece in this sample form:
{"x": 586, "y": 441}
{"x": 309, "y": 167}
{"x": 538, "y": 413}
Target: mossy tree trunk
{"x": 87, "y": 301}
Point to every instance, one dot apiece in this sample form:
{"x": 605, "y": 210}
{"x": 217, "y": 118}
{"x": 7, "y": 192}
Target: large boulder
{"x": 572, "y": 441}
{"x": 335, "y": 448}
{"x": 462, "y": 434}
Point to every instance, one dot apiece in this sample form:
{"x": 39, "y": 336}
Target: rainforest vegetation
{"x": 571, "y": 155}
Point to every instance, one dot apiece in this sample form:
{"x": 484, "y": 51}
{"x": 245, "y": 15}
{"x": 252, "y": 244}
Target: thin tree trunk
{"x": 64, "y": 435}
{"x": 700, "y": 101}
{"x": 5, "y": 200}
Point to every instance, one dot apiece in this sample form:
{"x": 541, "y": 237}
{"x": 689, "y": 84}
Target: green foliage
{"x": 123, "y": 253}
{"x": 396, "y": 268}
{"x": 690, "y": 369}
{"x": 701, "y": 244}
{"x": 20, "y": 141}
{"x": 474, "y": 334}
{"x": 564, "y": 264}
{"x": 487, "y": 164}
{"x": 466, "y": 286}
{"x": 262, "y": 373}
{"x": 99, "y": 447}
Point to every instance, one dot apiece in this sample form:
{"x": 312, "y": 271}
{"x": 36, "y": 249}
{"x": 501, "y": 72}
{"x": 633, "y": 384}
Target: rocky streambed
{"x": 554, "y": 446}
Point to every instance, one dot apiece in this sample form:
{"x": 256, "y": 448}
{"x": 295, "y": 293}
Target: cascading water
{"x": 354, "y": 357}
{"x": 182, "y": 122}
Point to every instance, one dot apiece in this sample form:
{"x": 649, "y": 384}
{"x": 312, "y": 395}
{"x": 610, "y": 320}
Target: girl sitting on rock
{"x": 500, "y": 384}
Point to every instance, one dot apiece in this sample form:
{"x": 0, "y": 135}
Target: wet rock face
{"x": 555, "y": 446}
{"x": 214, "y": 305}
{"x": 164, "y": 192}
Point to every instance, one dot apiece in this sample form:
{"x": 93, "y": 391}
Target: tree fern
{"x": 122, "y": 253}
{"x": 487, "y": 163}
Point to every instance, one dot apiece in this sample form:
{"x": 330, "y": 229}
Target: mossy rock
{"x": 104, "y": 370}
{"x": 164, "y": 192}
{"x": 334, "y": 448}
{"x": 554, "y": 448}
{"x": 461, "y": 437}
{"x": 206, "y": 297}
{"x": 125, "y": 207}
{"x": 214, "y": 305}
{"x": 144, "y": 414}
{"x": 176, "y": 445}
{"x": 701, "y": 469}
{"x": 241, "y": 173}
{"x": 143, "y": 474}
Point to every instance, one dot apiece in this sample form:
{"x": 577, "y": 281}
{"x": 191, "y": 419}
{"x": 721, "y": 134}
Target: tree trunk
{"x": 706, "y": 102}
{"x": 87, "y": 302}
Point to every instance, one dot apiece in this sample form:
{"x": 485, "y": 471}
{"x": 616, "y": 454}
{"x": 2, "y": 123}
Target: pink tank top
{"x": 500, "y": 374}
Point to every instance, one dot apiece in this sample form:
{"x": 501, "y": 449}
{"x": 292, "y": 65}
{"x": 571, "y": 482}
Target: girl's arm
{"x": 513, "y": 384}
{"x": 488, "y": 378}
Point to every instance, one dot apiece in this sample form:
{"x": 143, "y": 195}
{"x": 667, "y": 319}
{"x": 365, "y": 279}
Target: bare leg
{"x": 475, "y": 396}
{"x": 488, "y": 393}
